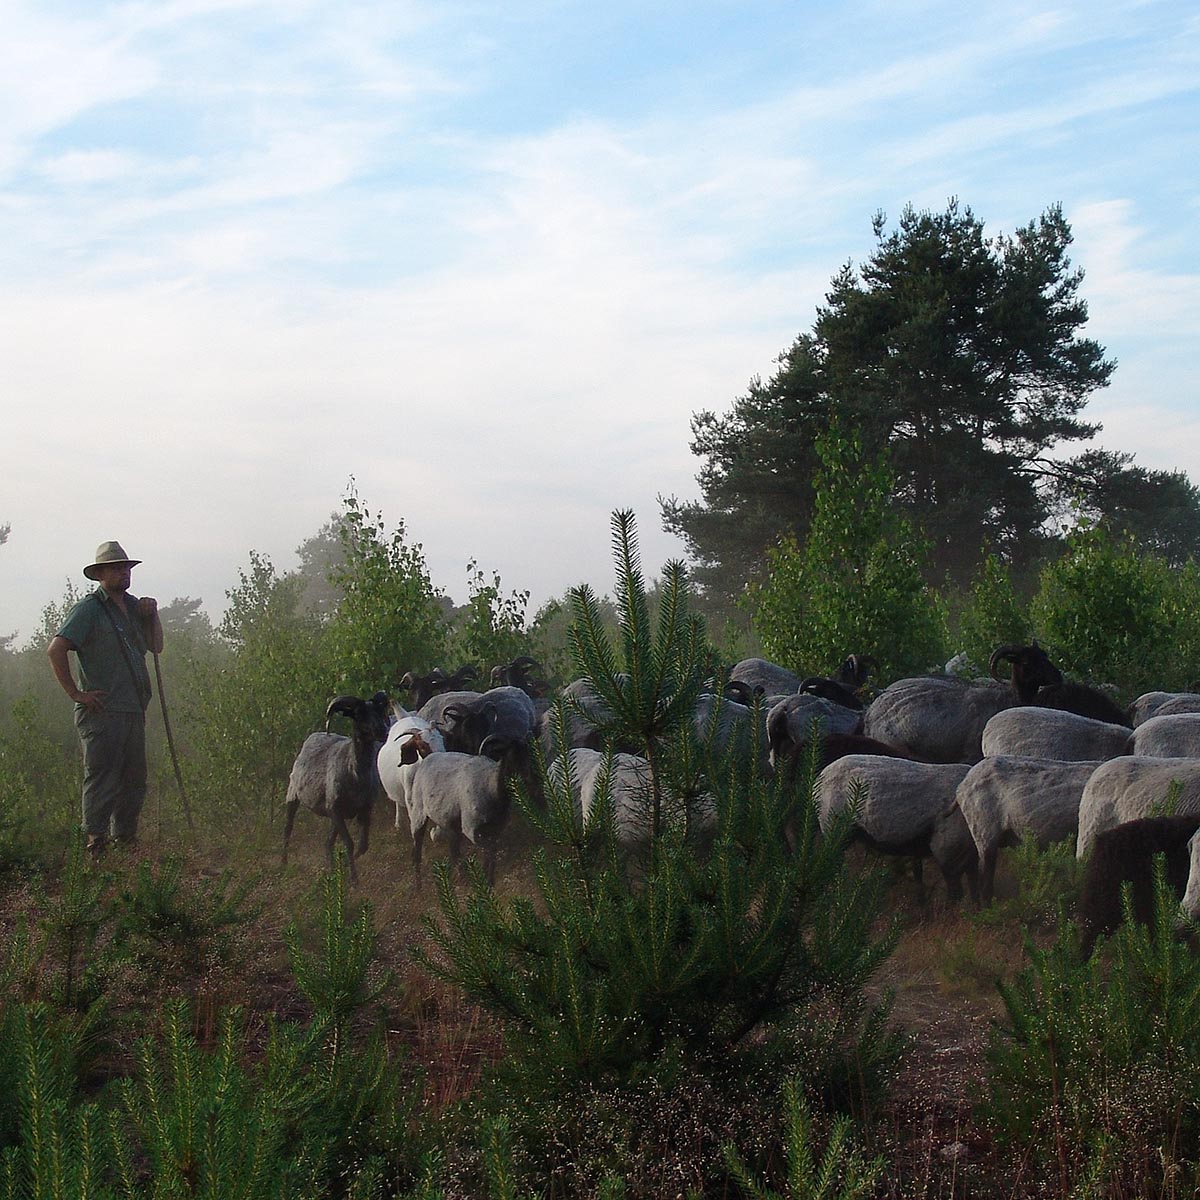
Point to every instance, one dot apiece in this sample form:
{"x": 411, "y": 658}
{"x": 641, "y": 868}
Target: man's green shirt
{"x": 111, "y": 649}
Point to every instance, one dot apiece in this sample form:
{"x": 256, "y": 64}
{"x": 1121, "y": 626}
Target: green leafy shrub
{"x": 1113, "y": 614}
{"x": 40, "y": 784}
{"x": 856, "y": 584}
{"x": 993, "y": 615}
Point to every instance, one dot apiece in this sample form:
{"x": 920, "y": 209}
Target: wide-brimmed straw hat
{"x": 109, "y": 554}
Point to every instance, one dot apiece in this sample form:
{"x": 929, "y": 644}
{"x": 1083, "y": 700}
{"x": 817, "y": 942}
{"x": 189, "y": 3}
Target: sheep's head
{"x": 1031, "y": 668}
{"x": 370, "y": 717}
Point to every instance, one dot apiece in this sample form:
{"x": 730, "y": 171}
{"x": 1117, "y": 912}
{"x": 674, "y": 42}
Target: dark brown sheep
{"x": 1126, "y": 853}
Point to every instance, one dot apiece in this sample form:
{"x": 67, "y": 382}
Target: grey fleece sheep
{"x": 1036, "y": 732}
{"x": 937, "y": 718}
{"x": 1191, "y": 897}
{"x": 1150, "y": 704}
{"x": 463, "y": 795}
{"x": 1170, "y": 735}
{"x": 337, "y": 777}
{"x": 792, "y": 721}
{"x": 1007, "y": 799}
{"x": 469, "y": 719}
{"x": 773, "y": 679}
{"x": 906, "y": 808}
{"x": 1126, "y": 789}
{"x": 1125, "y": 854}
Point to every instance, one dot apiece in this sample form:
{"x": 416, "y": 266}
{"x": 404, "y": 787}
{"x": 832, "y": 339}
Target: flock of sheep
{"x": 935, "y": 766}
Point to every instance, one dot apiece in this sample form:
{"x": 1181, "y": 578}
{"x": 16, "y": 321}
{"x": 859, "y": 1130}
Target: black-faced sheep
{"x": 1036, "y": 680}
{"x": 422, "y": 688}
{"x": 337, "y": 777}
{"x": 1125, "y": 854}
{"x": 464, "y": 795}
{"x": 471, "y": 720}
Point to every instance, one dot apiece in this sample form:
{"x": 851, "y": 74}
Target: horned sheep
{"x": 337, "y": 777}
{"x": 464, "y": 795}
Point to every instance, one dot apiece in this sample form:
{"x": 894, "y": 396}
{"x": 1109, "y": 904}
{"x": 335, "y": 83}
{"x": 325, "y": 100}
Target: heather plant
{"x": 1101, "y": 1055}
{"x": 178, "y": 926}
{"x": 856, "y": 583}
{"x": 696, "y": 959}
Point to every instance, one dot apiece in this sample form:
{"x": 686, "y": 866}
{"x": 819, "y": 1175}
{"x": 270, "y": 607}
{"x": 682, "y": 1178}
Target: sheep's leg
{"x": 987, "y": 874}
{"x": 339, "y": 830}
{"x": 292, "y": 805}
{"x": 455, "y": 837}
{"x": 489, "y": 862}
{"x": 418, "y": 836}
{"x": 364, "y": 836}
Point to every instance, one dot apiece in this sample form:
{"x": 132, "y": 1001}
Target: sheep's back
{"x": 1169, "y": 735}
{"x": 1126, "y": 789}
{"x": 936, "y": 718}
{"x": 1052, "y": 733}
{"x": 1015, "y": 796}
{"x": 899, "y": 800}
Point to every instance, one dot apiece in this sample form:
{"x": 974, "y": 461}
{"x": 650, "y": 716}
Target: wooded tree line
{"x": 961, "y": 357}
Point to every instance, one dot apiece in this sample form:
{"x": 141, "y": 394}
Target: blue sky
{"x": 487, "y": 259}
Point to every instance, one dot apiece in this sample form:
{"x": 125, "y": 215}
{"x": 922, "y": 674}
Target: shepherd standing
{"x": 110, "y": 632}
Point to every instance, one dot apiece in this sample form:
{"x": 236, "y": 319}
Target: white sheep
{"x": 410, "y": 739}
{"x": 1035, "y": 732}
{"x": 463, "y": 795}
{"x": 1007, "y": 799}
{"x": 1169, "y": 735}
{"x": 1129, "y": 788}
{"x": 631, "y": 790}
{"x": 337, "y": 777}
{"x": 904, "y": 807}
